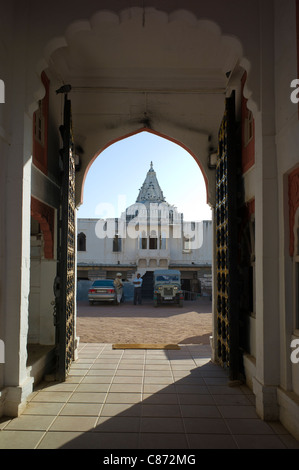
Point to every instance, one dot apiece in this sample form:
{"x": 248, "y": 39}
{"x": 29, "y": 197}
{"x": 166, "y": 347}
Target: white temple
{"x": 149, "y": 235}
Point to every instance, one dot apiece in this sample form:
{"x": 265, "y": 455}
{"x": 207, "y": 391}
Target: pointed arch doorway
{"x": 226, "y": 341}
{"x": 176, "y": 107}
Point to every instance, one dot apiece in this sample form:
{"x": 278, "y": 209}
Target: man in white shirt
{"x": 137, "y": 289}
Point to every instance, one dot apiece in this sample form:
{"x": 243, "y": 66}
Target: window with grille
{"x": 116, "y": 244}
{"x": 81, "y": 242}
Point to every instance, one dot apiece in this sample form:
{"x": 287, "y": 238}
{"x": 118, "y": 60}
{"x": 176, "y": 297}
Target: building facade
{"x": 151, "y": 234}
{"x": 167, "y": 69}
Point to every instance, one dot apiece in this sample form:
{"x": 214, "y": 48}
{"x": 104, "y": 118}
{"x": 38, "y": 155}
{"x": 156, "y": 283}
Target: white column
{"x": 267, "y": 378}
{"x": 17, "y": 266}
{"x": 17, "y": 224}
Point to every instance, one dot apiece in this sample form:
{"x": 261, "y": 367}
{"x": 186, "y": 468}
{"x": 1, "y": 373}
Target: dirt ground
{"x": 129, "y": 323}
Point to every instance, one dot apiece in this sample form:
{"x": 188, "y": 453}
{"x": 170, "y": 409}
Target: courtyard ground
{"x": 129, "y": 323}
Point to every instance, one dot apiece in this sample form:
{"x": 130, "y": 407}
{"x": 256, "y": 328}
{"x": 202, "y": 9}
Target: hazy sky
{"x": 115, "y": 177}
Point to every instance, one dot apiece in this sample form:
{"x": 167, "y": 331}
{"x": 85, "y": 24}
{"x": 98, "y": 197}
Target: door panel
{"x": 227, "y": 174}
{"x": 65, "y": 281}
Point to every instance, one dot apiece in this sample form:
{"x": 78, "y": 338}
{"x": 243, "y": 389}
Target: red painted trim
{"x": 144, "y": 129}
{"x": 44, "y": 215}
{"x": 251, "y": 207}
{"x": 40, "y": 152}
{"x": 248, "y": 151}
{"x": 293, "y": 206}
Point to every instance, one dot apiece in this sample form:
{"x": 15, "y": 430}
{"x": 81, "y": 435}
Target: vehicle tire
{"x": 91, "y": 302}
{"x": 180, "y": 303}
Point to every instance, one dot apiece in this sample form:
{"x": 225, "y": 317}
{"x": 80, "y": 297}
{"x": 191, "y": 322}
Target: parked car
{"x": 102, "y": 291}
{"x": 167, "y": 287}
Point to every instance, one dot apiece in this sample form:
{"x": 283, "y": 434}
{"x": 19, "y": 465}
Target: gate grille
{"x": 226, "y": 244}
{"x": 65, "y": 303}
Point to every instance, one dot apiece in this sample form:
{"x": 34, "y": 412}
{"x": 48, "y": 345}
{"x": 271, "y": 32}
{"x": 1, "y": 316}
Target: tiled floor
{"x": 142, "y": 399}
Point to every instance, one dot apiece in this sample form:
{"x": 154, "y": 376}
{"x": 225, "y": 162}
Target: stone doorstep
{"x": 40, "y": 361}
{"x": 289, "y": 411}
{"x": 15, "y": 399}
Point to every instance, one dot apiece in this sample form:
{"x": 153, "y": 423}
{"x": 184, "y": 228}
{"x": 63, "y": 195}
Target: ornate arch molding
{"x": 293, "y": 206}
{"x": 44, "y": 215}
{"x": 104, "y": 18}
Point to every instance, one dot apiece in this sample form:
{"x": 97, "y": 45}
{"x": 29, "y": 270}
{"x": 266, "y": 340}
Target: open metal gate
{"x": 227, "y": 174}
{"x": 64, "y": 286}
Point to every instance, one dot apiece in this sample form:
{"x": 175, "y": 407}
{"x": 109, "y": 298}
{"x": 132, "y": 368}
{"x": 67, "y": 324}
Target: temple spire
{"x": 150, "y": 191}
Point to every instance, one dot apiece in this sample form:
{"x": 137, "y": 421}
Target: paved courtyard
{"x": 142, "y": 399}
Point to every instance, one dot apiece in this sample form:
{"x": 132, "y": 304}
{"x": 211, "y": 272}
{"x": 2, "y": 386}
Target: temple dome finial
{"x": 150, "y": 191}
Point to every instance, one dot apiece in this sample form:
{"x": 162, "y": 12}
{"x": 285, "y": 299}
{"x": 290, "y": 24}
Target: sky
{"x": 117, "y": 174}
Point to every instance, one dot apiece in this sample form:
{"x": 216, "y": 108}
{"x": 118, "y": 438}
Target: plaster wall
{"x": 99, "y": 250}
{"x": 287, "y": 142}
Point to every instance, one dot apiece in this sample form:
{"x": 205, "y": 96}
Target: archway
{"x": 177, "y": 173}
{"x": 182, "y": 97}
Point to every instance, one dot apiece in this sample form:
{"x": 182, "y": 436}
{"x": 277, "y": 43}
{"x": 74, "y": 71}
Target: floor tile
{"x": 157, "y": 367}
{"x": 126, "y": 424}
{"x": 129, "y": 372}
{"x": 97, "y": 379}
{"x": 127, "y": 380}
{"x": 87, "y": 397}
{"x": 119, "y": 397}
{"x": 125, "y": 387}
{"x": 200, "y": 411}
{"x": 158, "y": 380}
{"x": 160, "y": 398}
{"x": 211, "y": 441}
{"x": 161, "y": 425}
{"x": 100, "y": 372}
{"x": 59, "y": 440}
{"x": 161, "y": 410}
{"x": 123, "y": 409}
{"x": 232, "y": 400}
{"x": 77, "y": 372}
{"x": 195, "y": 399}
{"x": 42, "y": 409}
{"x": 88, "y": 387}
{"x": 237, "y": 411}
{"x": 4, "y": 420}
{"x": 206, "y": 426}
{"x": 191, "y": 388}
{"x": 30, "y": 423}
{"x": 19, "y": 439}
{"x": 162, "y": 441}
{"x": 129, "y": 366}
{"x": 259, "y": 442}
{"x": 81, "y": 409}
{"x": 50, "y": 397}
{"x": 158, "y": 373}
{"x": 105, "y": 366}
{"x": 161, "y": 388}
{"x": 69, "y": 423}
{"x": 248, "y": 426}
{"x": 59, "y": 387}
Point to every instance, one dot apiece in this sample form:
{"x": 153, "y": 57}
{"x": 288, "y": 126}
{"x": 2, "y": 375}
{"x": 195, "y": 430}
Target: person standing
{"x": 137, "y": 289}
{"x": 118, "y": 284}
